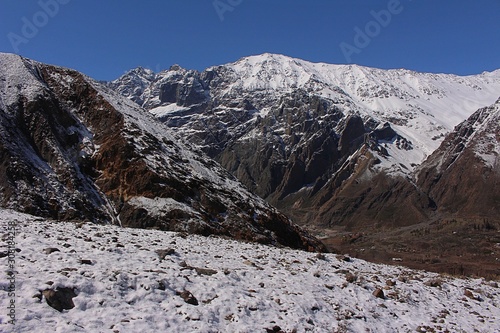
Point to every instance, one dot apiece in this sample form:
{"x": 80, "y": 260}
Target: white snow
{"x": 128, "y": 289}
{"x": 159, "y": 206}
{"x": 162, "y": 111}
{"x": 18, "y": 79}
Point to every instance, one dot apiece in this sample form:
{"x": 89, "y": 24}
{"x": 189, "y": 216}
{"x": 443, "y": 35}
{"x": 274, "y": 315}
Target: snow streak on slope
{"x": 487, "y": 136}
{"x": 18, "y": 79}
{"x": 122, "y": 284}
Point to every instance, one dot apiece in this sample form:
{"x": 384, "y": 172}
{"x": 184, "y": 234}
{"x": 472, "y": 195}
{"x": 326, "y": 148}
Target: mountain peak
{"x": 141, "y": 71}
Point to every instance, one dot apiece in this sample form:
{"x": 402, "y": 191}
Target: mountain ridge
{"x": 298, "y": 115}
{"x": 276, "y": 73}
{"x": 91, "y": 154}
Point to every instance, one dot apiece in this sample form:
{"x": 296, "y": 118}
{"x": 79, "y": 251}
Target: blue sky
{"x": 105, "y": 38}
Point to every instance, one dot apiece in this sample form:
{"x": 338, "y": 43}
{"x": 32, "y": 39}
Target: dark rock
{"x": 385, "y": 133}
{"x": 60, "y": 299}
{"x": 50, "y": 250}
{"x": 343, "y": 258}
{"x": 321, "y": 256}
{"x": 379, "y": 293}
{"x": 351, "y": 277}
{"x": 205, "y": 271}
{"x": 163, "y": 253}
{"x": 354, "y": 129}
{"x": 162, "y": 286}
{"x": 390, "y": 283}
{"x": 85, "y": 261}
{"x": 471, "y": 295}
{"x": 275, "y": 329}
{"x": 188, "y": 297}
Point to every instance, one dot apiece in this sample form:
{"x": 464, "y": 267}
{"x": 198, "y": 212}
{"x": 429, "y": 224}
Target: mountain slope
{"x": 123, "y": 281}
{"x": 463, "y": 174}
{"x": 457, "y": 231}
{"x": 297, "y": 133}
{"x": 73, "y": 149}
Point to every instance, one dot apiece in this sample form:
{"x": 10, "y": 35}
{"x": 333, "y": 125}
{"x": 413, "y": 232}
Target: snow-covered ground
{"x": 122, "y": 285}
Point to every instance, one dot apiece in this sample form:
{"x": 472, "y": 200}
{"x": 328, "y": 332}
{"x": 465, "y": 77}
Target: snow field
{"x": 122, "y": 285}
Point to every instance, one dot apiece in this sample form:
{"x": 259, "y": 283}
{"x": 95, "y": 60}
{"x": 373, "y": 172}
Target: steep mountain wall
{"x": 463, "y": 174}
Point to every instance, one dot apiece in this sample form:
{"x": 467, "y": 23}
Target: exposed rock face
{"x": 73, "y": 149}
{"x": 463, "y": 175}
{"x": 45, "y": 150}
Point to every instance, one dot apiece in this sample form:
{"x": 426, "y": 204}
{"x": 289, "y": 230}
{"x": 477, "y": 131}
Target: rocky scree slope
{"x": 327, "y": 144}
{"x": 71, "y": 148}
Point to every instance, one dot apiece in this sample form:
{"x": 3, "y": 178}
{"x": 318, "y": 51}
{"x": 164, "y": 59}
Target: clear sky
{"x": 105, "y": 38}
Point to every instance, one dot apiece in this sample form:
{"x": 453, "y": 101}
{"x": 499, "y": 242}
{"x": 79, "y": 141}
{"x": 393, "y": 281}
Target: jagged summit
{"x": 422, "y": 107}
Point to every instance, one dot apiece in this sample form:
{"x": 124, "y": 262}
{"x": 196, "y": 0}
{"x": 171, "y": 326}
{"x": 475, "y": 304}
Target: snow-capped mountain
{"x": 83, "y": 277}
{"x": 422, "y": 107}
{"x": 298, "y": 133}
{"x": 71, "y": 148}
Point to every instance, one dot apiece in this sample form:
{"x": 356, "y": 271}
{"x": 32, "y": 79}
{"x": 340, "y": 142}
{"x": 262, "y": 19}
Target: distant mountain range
{"x": 368, "y": 158}
{"x": 327, "y": 144}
